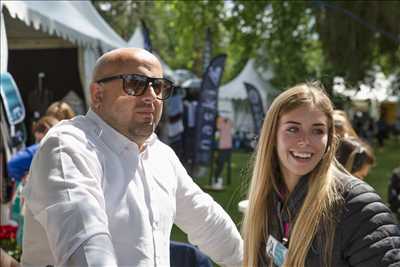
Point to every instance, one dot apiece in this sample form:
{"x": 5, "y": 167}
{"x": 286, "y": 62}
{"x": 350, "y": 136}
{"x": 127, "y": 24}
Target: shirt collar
{"x": 112, "y": 138}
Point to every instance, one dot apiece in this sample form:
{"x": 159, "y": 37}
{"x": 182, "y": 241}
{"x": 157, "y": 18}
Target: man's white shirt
{"x": 87, "y": 180}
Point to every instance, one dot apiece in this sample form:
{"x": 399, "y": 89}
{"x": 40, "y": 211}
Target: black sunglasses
{"x": 136, "y": 85}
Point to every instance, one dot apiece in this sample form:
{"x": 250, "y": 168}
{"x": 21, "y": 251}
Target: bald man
{"x": 104, "y": 191}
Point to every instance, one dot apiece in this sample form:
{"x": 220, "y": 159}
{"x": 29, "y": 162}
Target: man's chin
{"x": 143, "y": 130}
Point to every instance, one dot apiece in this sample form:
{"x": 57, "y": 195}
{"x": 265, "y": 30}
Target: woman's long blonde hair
{"x": 321, "y": 195}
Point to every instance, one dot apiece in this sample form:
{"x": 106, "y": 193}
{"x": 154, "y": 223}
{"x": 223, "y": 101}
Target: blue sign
{"x": 12, "y": 100}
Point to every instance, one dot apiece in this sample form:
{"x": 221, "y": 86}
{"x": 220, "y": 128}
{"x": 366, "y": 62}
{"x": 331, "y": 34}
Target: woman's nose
{"x": 303, "y": 139}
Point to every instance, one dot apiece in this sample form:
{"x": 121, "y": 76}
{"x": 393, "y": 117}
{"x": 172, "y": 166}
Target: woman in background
{"x": 343, "y": 127}
{"x": 304, "y": 208}
{"x": 356, "y": 156}
{"x": 61, "y": 110}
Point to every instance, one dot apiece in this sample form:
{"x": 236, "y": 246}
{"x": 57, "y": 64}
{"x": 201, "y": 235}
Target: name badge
{"x": 276, "y": 251}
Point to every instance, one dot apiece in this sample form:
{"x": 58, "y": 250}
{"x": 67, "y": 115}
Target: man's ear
{"x": 96, "y": 93}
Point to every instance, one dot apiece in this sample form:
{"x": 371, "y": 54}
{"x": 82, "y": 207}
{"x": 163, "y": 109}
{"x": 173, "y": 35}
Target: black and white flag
{"x": 207, "y": 110}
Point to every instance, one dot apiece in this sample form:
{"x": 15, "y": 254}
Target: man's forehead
{"x": 126, "y": 60}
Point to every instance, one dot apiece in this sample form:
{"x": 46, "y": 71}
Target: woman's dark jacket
{"x": 366, "y": 233}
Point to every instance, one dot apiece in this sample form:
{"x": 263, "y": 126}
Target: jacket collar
{"x": 295, "y": 198}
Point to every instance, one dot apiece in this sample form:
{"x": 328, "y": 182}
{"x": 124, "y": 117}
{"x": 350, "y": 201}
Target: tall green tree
{"x": 298, "y": 40}
{"x": 358, "y": 34}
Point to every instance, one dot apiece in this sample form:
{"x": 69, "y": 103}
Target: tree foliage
{"x": 297, "y": 40}
{"x": 358, "y": 34}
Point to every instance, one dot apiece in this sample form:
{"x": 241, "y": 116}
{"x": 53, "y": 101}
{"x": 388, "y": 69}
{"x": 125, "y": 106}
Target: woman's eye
{"x": 318, "y": 131}
{"x": 292, "y": 130}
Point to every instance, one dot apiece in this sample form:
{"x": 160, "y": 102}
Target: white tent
{"x": 52, "y": 24}
{"x": 232, "y": 99}
{"x": 137, "y": 40}
{"x": 381, "y": 90}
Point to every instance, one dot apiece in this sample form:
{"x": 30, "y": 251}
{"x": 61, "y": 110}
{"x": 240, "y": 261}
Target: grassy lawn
{"x": 387, "y": 159}
{"x": 231, "y": 195}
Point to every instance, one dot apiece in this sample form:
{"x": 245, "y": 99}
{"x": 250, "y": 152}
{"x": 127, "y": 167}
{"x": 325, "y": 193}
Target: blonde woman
{"x": 342, "y": 124}
{"x": 304, "y": 209}
{"x": 61, "y": 110}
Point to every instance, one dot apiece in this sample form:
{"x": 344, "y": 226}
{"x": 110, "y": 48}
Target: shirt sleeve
{"x": 206, "y": 223}
{"x": 65, "y": 196}
{"x": 370, "y": 235}
{"x": 96, "y": 251}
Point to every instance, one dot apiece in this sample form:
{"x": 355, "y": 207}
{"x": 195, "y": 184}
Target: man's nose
{"x": 149, "y": 94}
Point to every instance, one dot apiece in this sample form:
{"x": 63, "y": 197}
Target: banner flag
{"x": 146, "y": 37}
{"x": 256, "y": 105}
{"x": 207, "y": 110}
{"x": 207, "y": 49}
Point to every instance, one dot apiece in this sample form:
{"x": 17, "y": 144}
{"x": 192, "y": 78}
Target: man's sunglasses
{"x": 136, "y": 85}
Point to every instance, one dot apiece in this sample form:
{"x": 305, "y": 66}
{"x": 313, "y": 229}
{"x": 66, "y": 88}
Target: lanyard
{"x": 284, "y": 226}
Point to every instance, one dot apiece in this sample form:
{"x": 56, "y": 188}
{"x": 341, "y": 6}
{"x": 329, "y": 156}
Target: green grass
{"x": 231, "y": 195}
{"x": 386, "y": 160}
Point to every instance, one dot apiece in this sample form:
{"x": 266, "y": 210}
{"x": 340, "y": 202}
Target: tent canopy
{"x": 75, "y": 21}
{"x": 235, "y": 88}
{"x": 58, "y": 24}
{"x": 382, "y": 89}
{"x": 137, "y": 40}
{"x": 232, "y": 99}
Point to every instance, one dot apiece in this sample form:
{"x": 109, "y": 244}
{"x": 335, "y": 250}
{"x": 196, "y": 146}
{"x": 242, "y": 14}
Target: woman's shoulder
{"x": 361, "y": 201}
{"x": 368, "y": 229}
{"x": 352, "y": 187}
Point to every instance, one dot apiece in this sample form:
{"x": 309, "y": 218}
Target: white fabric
{"x": 3, "y": 44}
{"x": 88, "y": 180}
{"x": 87, "y": 58}
{"x": 76, "y": 21}
{"x": 137, "y": 39}
{"x": 235, "y": 89}
{"x": 232, "y": 97}
{"x": 97, "y": 251}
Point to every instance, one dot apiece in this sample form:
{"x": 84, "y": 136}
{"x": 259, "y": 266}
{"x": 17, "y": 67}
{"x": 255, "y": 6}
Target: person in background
{"x": 104, "y": 191}
{"x": 18, "y": 165}
{"x": 304, "y": 208}
{"x": 190, "y": 105}
{"x": 394, "y": 192}
{"x": 224, "y": 127}
{"x": 343, "y": 127}
{"x": 60, "y": 110}
{"x": 174, "y": 111}
{"x": 18, "y": 168}
{"x": 382, "y": 130}
{"x": 356, "y": 156}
